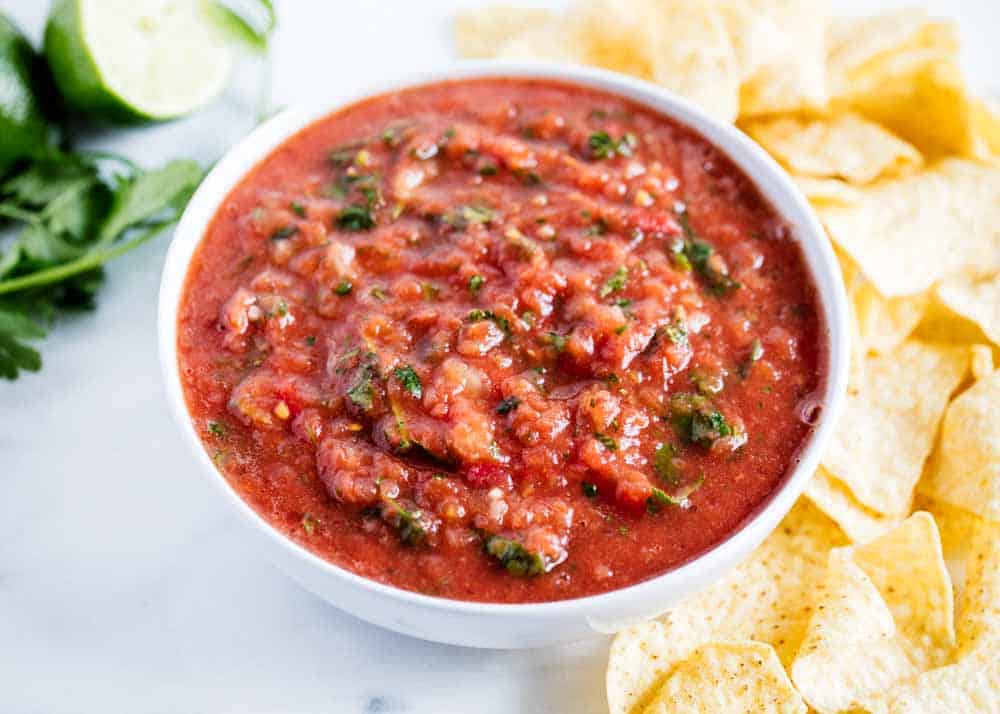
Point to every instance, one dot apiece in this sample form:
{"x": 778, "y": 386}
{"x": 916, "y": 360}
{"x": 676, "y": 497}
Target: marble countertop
{"x": 123, "y": 584}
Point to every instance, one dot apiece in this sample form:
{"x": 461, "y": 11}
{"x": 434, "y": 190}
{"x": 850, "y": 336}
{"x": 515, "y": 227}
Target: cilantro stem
{"x": 87, "y": 261}
{"x": 19, "y": 214}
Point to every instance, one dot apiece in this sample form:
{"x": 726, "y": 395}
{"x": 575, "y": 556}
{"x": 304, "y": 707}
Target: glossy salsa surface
{"x": 501, "y": 340}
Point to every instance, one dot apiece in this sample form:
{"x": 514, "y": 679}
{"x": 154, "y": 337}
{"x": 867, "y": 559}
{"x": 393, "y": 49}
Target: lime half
{"x": 136, "y": 60}
{"x": 23, "y": 131}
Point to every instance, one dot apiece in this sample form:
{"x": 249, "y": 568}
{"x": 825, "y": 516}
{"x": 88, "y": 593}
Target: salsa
{"x": 501, "y": 340}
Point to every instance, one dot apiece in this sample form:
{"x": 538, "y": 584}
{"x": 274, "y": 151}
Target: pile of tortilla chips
{"x": 849, "y": 605}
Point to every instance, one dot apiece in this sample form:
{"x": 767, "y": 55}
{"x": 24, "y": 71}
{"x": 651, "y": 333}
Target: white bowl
{"x": 525, "y": 625}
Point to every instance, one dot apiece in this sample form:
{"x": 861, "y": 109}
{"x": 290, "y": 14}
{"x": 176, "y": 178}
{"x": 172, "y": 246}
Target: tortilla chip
{"x": 883, "y": 615}
{"x": 882, "y": 323}
{"x": 789, "y": 74}
{"x": 728, "y": 677}
{"x": 820, "y": 191}
{"x": 986, "y": 127}
{"x": 971, "y": 685}
{"x": 692, "y": 54}
{"x": 909, "y": 233}
{"x": 483, "y": 31}
{"x": 861, "y": 50}
{"x": 845, "y": 147}
{"x": 979, "y": 612}
{"x": 767, "y": 599}
{"x": 976, "y": 299}
{"x": 682, "y": 46}
{"x": 907, "y": 566}
{"x": 928, "y": 106}
{"x": 852, "y": 651}
{"x": 982, "y": 360}
{"x": 941, "y": 324}
{"x": 965, "y": 469}
{"x": 956, "y": 527}
{"x": 889, "y": 423}
{"x": 835, "y": 500}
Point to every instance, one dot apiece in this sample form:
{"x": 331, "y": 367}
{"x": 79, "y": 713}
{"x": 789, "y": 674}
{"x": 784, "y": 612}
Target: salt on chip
{"x": 965, "y": 469}
{"x": 846, "y": 146}
{"x": 979, "y": 610}
{"x": 768, "y": 598}
{"x": 909, "y": 233}
{"x": 728, "y": 677}
{"x": 972, "y": 684}
{"x": 907, "y": 566}
{"x": 483, "y": 31}
{"x": 889, "y": 422}
{"x": 976, "y": 298}
{"x": 883, "y": 615}
{"x": 835, "y": 500}
{"x": 852, "y": 650}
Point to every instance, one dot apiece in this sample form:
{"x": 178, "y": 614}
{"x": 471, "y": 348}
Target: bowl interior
{"x": 771, "y": 180}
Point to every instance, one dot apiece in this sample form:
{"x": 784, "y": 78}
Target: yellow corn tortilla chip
{"x": 907, "y": 566}
{"x": 483, "y": 31}
{"x": 883, "y": 323}
{"x": 861, "y": 50}
{"x": 852, "y": 650}
{"x": 965, "y": 469}
{"x": 977, "y": 298}
{"x": 889, "y": 423}
{"x": 728, "y": 677}
{"x": 979, "y": 610}
{"x": 845, "y": 147}
{"x": 820, "y": 191}
{"x": 941, "y": 324}
{"x": 767, "y": 599}
{"x": 883, "y": 615}
{"x": 955, "y": 525}
{"x": 972, "y": 684}
{"x": 982, "y": 360}
{"x": 928, "y": 105}
{"x": 909, "y": 233}
{"x": 860, "y": 524}
{"x": 986, "y": 127}
{"x": 969, "y": 686}
{"x": 790, "y": 73}
{"x": 682, "y": 46}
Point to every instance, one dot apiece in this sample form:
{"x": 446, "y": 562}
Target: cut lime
{"x": 136, "y": 60}
{"x": 23, "y": 131}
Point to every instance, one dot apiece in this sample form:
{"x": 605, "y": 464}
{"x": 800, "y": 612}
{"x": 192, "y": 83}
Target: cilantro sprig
{"x": 75, "y": 212}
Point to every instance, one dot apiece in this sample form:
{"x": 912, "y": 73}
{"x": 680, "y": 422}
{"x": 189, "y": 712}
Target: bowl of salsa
{"x": 503, "y": 355}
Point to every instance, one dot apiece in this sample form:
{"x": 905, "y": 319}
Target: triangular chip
{"x": 907, "y": 566}
{"x": 976, "y": 298}
{"x": 851, "y": 651}
{"x": 907, "y": 234}
{"x": 846, "y": 147}
{"x": 965, "y": 469}
{"x": 979, "y": 611}
{"x": 883, "y": 616}
{"x": 768, "y": 598}
{"x": 889, "y": 423}
{"x": 483, "y": 31}
{"x": 972, "y": 686}
{"x": 728, "y": 677}
{"x": 861, "y": 524}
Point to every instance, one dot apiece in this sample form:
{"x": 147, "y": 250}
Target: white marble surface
{"x": 123, "y": 584}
